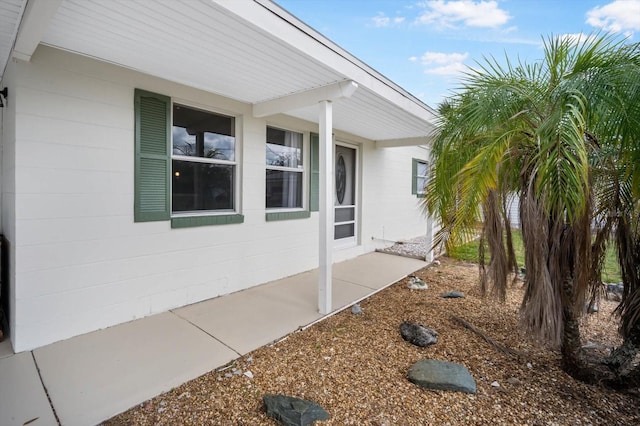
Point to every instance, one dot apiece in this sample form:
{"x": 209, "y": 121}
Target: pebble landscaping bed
{"x": 415, "y": 248}
{"x": 356, "y": 366}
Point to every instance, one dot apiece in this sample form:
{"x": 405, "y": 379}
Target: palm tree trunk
{"x": 628, "y": 242}
{"x": 571, "y": 349}
{"x": 498, "y": 268}
{"x": 512, "y": 261}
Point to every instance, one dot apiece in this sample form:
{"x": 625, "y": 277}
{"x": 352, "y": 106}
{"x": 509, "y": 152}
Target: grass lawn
{"x": 469, "y": 253}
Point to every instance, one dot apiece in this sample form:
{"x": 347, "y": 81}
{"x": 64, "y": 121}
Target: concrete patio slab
{"x": 97, "y": 375}
{"x": 246, "y": 321}
{"x": 5, "y": 348}
{"x": 22, "y": 397}
{"x": 255, "y": 317}
{"x": 94, "y": 376}
{"x": 376, "y": 270}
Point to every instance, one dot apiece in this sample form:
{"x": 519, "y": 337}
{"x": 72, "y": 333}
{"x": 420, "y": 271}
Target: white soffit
{"x": 10, "y": 16}
{"x": 332, "y": 92}
{"x": 251, "y": 51}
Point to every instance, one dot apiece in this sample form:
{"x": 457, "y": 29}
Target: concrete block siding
{"x": 81, "y": 263}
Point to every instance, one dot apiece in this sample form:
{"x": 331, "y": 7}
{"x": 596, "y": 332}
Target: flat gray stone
{"x": 452, "y": 295}
{"x": 442, "y": 375}
{"x": 293, "y": 411}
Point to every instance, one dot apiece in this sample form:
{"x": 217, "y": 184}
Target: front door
{"x": 346, "y": 212}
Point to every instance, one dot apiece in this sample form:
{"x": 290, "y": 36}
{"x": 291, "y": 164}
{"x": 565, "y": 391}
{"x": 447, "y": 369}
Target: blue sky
{"x": 423, "y": 45}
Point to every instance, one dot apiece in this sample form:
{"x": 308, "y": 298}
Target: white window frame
{"x": 306, "y": 141}
{"x": 236, "y": 164}
{"x": 420, "y": 190}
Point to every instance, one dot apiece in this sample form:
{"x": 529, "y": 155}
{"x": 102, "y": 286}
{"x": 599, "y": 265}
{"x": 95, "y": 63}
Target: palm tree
{"x": 562, "y": 134}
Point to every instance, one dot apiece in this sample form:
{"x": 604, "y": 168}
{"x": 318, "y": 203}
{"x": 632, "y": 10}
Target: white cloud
{"x": 468, "y": 12}
{"x": 578, "y": 38}
{"x": 380, "y": 20}
{"x": 443, "y": 58}
{"x": 617, "y": 16}
{"x": 446, "y": 64}
{"x": 452, "y": 69}
{"x": 413, "y": 59}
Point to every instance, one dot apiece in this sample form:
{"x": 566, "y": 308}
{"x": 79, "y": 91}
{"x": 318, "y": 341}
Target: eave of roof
{"x": 248, "y": 50}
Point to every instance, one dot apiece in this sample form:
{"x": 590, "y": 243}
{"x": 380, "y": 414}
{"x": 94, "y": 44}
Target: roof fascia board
{"x": 35, "y": 21}
{"x": 391, "y": 143}
{"x": 274, "y": 20}
{"x": 331, "y": 92}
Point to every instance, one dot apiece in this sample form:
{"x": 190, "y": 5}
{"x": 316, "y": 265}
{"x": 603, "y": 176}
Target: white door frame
{"x": 350, "y": 241}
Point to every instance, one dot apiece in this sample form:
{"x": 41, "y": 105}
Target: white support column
{"x": 429, "y": 243}
{"x": 325, "y": 124}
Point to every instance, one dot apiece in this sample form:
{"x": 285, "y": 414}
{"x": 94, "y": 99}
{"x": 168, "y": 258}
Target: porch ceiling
{"x": 248, "y": 50}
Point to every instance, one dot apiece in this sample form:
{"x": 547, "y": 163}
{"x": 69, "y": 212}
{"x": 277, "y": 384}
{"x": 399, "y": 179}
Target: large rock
{"x": 293, "y": 411}
{"x": 442, "y": 375}
{"x": 418, "y": 334}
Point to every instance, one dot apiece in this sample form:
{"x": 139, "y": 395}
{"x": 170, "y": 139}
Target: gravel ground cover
{"x": 415, "y": 248}
{"x": 355, "y": 366}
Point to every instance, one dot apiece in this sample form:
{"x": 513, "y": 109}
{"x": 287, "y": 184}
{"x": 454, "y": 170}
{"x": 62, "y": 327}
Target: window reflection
{"x": 207, "y": 181}
{"x": 284, "y": 169}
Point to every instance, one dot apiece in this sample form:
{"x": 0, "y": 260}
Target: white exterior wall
{"x": 513, "y": 210}
{"x": 387, "y": 173}
{"x": 81, "y": 263}
{"x": 8, "y": 187}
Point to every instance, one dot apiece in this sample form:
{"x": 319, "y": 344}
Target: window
{"x": 185, "y": 168}
{"x": 284, "y": 174}
{"x": 420, "y": 176}
{"x": 203, "y": 161}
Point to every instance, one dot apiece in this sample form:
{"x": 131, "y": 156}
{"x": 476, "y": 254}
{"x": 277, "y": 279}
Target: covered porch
{"x": 92, "y": 377}
{"x": 251, "y": 51}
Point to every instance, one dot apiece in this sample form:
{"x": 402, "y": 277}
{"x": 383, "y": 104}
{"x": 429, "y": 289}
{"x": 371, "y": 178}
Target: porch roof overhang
{"x": 252, "y": 51}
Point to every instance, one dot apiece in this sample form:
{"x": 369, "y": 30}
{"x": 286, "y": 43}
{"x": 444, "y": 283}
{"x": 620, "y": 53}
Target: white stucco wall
{"x": 81, "y": 263}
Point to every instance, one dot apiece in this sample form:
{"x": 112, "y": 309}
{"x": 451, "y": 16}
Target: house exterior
{"x": 160, "y": 153}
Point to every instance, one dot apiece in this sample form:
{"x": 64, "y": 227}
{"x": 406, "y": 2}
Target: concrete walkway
{"x": 92, "y": 377}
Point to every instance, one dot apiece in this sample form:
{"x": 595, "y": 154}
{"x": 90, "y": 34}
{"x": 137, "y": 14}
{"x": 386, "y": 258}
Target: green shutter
{"x": 414, "y": 176}
{"x": 152, "y": 157}
{"x": 314, "y": 183}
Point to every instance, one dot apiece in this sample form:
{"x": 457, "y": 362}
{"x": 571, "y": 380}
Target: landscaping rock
{"x": 416, "y": 283}
{"x": 452, "y": 295}
{"x": 293, "y": 411}
{"x": 615, "y": 291}
{"x": 591, "y": 308}
{"x": 356, "y": 309}
{"x": 418, "y": 334}
{"x": 514, "y": 381}
{"x": 442, "y": 375}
